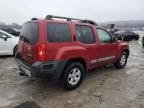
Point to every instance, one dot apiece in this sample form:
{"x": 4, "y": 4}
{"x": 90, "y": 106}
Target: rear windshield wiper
{"x": 24, "y": 39}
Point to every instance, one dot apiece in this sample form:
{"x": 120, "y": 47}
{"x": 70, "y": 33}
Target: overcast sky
{"x": 20, "y": 11}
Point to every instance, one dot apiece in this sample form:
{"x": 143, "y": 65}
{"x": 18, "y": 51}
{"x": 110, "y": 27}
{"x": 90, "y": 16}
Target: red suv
{"x": 61, "y": 48}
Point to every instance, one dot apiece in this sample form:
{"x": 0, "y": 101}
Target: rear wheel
{"x": 122, "y": 60}
{"x": 73, "y": 75}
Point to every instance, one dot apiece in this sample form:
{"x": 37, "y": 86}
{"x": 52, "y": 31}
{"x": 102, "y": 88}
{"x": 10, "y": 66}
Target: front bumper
{"x": 48, "y": 69}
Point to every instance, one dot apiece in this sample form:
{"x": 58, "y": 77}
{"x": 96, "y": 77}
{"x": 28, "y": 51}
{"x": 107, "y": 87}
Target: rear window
{"x": 30, "y": 32}
{"x": 58, "y": 32}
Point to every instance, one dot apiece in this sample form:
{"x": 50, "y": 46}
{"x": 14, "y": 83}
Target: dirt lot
{"x": 105, "y": 87}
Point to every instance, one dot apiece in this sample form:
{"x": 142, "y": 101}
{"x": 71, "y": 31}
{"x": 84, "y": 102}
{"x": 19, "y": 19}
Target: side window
{"x": 88, "y": 35}
{"x": 85, "y": 34}
{"x": 2, "y": 35}
{"x": 80, "y": 34}
{"x": 58, "y": 32}
{"x": 104, "y": 36}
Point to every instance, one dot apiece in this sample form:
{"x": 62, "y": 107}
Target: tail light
{"x": 41, "y": 52}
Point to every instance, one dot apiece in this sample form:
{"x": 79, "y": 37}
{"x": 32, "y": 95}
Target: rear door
{"x": 59, "y": 37}
{"x": 86, "y": 39}
{"x": 29, "y": 41}
{"x": 107, "y": 50}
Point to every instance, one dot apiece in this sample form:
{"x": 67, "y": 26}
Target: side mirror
{"x": 114, "y": 39}
{"x": 4, "y": 37}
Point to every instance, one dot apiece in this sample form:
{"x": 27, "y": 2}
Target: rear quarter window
{"x": 30, "y": 32}
{"x": 58, "y": 32}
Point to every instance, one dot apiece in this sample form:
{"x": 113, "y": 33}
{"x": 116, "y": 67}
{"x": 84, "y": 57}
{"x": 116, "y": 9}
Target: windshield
{"x": 30, "y": 32}
{"x": 11, "y": 31}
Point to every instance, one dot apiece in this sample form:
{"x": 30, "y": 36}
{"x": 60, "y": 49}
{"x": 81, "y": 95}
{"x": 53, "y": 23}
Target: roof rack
{"x": 34, "y": 19}
{"x": 69, "y": 19}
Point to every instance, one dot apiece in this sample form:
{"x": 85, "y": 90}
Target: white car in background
{"x": 8, "y": 43}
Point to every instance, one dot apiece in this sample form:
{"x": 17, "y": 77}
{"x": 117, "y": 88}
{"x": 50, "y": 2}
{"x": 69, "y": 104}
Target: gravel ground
{"x": 104, "y": 87}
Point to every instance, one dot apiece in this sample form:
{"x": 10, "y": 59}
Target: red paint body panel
{"x": 70, "y": 50}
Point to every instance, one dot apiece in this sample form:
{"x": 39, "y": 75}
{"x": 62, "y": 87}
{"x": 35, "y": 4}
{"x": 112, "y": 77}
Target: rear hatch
{"x": 29, "y": 41}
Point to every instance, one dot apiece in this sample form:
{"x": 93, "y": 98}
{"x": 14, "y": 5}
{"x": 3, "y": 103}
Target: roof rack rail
{"x": 69, "y": 19}
{"x": 89, "y": 21}
{"x": 34, "y": 19}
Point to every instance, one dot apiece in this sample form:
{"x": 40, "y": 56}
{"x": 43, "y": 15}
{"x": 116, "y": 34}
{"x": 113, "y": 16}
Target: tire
{"x": 73, "y": 75}
{"x": 15, "y": 50}
{"x": 143, "y": 41}
{"x": 137, "y": 38}
{"x": 121, "y": 62}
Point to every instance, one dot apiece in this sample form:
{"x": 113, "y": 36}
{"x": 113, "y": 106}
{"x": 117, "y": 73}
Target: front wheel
{"x": 73, "y": 75}
{"x": 122, "y": 60}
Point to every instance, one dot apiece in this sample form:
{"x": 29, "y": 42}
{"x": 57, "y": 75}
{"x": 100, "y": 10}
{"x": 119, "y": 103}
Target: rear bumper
{"x": 48, "y": 69}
